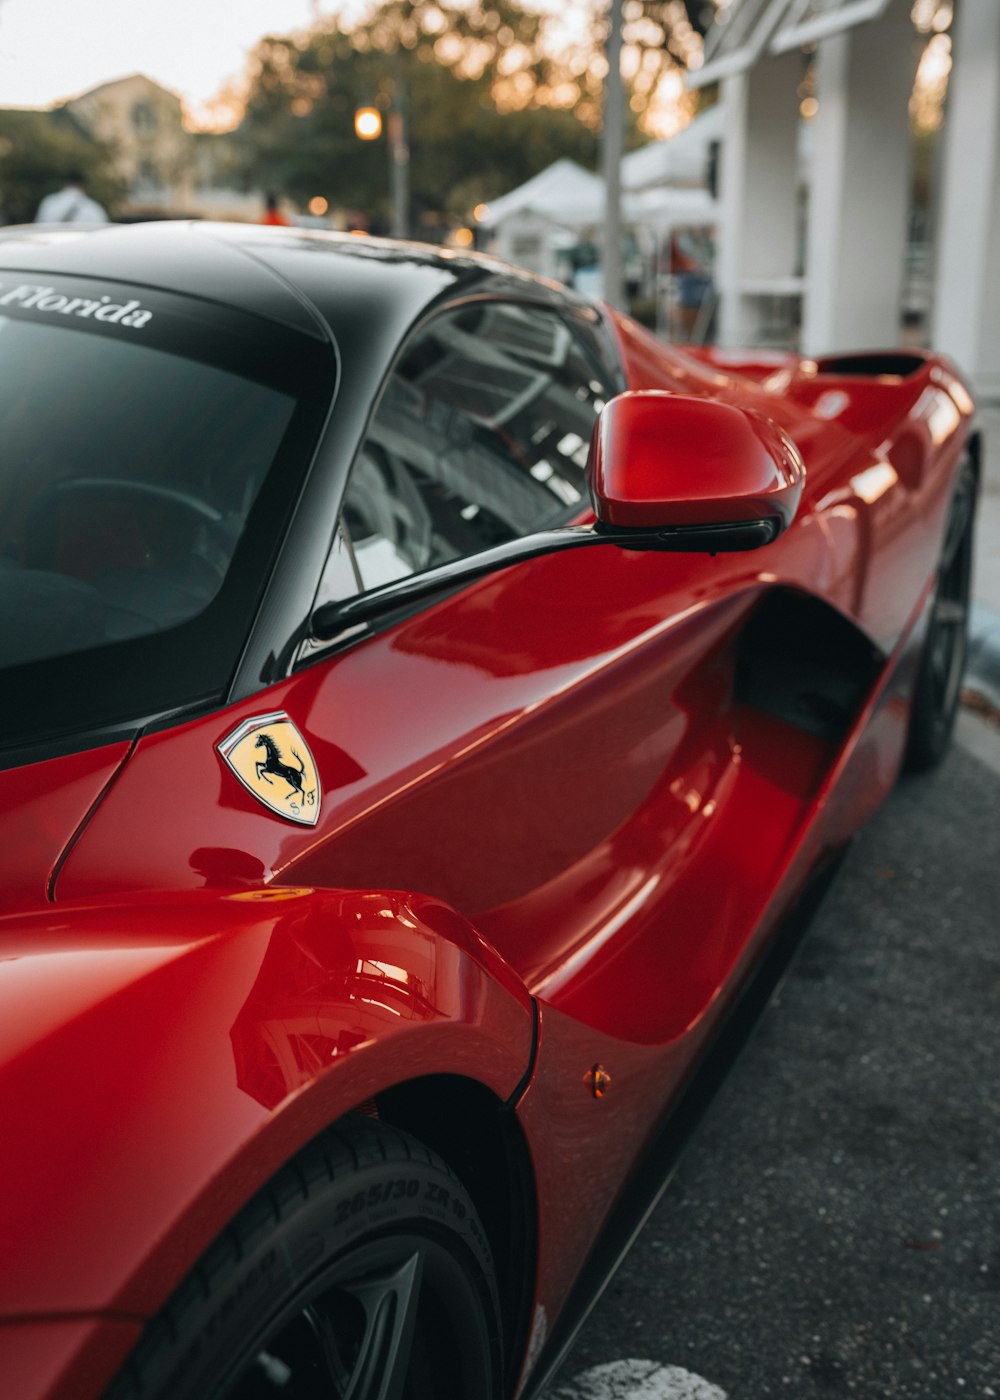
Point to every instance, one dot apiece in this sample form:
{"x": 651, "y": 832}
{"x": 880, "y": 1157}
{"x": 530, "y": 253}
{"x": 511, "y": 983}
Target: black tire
{"x": 939, "y": 680}
{"x": 361, "y": 1271}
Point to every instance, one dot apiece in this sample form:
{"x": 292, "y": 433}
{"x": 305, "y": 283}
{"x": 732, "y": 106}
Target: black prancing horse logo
{"x": 274, "y": 763}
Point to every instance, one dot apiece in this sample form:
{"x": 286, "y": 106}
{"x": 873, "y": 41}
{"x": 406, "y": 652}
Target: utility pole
{"x": 399, "y": 156}
{"x": 612, "y": 148}
{"x": 399, "y": 152}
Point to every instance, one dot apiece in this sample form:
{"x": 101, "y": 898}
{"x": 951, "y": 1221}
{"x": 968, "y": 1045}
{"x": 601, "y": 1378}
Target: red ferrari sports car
{"x": 430, "y": 705}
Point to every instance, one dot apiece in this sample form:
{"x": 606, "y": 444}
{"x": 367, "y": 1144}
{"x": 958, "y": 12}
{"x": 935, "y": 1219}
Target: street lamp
{"x": 368, "y": 123}
{"x": 368, "y": 127}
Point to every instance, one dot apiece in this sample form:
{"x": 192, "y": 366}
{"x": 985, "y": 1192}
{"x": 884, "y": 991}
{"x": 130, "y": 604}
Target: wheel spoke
{"x": 330, "y": 1348}
{"x": 945, "y": 652}
{"x": 950, "y": 612}
{"x": 390, "y": 1304}
{"x": 958, "y": 524}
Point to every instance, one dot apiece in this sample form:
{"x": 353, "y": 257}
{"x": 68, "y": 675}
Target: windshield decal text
{"x": 33, "y": 296}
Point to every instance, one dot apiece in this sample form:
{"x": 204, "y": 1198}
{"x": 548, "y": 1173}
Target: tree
{"x": 298, "y": 130}
{"x": 495, "y": 93}
{"x": 37, "y": 150}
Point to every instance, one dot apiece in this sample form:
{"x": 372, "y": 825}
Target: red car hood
{"x": 44, "y": 805}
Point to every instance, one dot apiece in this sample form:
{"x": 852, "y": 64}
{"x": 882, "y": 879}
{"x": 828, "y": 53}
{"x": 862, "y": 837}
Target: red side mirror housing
{"x": 660, "y": 461}
{"x": 667, "y": 472}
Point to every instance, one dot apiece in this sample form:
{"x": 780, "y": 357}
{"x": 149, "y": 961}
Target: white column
{"x": 860, "y": 186}
{"x": 966, "y": 321}
{"x": 757, "y": 192}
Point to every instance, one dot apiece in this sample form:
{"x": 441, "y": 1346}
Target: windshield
{"x": 138, "y": 510}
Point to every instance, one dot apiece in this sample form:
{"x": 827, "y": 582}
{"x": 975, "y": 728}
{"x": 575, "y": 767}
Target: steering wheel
{"x": 168, "y": 521}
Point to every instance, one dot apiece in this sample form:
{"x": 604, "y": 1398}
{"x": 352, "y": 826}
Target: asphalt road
{"x": 834, "y": 1227}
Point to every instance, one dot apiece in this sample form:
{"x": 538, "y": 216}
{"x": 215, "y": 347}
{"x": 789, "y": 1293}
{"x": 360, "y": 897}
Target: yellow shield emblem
{"x": 272, "y": 760}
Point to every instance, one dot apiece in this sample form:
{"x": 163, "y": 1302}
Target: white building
{"x": 849, "y": 282}
{"x": 168, "y": 170}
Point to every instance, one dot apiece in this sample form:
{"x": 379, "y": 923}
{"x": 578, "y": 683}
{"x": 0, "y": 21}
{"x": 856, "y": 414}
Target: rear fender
{"x": 160, "y": 1059}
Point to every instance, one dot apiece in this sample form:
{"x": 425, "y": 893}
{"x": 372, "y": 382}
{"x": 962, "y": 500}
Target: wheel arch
{"x": 181, "y": 1071}
{"x": 482, "y": 1140}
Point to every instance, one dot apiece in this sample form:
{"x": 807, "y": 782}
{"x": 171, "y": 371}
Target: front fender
{"x": 160, "y": 1059}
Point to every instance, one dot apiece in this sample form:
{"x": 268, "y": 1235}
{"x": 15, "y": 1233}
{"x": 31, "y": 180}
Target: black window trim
{"x": 610, "y": 371}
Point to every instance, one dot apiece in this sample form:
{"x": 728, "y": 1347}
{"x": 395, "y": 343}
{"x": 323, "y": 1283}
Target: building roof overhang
{"x": 745, "y": 30}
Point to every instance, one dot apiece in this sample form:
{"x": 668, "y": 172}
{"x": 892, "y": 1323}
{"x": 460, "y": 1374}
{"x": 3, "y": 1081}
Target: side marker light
{"x": 598, "y": 1081}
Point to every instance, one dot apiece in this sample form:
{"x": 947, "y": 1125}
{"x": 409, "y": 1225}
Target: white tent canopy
{"x": 572, "y": 198}
{"x": 681, "y": 160}
{"x": 564, "y": 193}
{"x": 535, "y": 224}
{"x": 665, "y": 206}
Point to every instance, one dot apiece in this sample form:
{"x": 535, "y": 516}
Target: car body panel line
{"x": 50, "y": 888}
{"x": 520, "y": 1089}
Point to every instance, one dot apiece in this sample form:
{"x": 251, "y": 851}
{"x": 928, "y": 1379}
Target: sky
{"x": 54, "y": 49}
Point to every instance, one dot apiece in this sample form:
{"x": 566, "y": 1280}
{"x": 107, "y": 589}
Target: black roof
{"x": 309, "y": 280}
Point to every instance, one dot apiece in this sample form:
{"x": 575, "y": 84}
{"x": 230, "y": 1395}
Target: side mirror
{"x": 708, "y": 473}
{"x": 666, "y": 472}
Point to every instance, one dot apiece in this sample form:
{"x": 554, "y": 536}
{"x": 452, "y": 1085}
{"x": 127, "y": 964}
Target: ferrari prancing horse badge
{"x": 271, "y": 759}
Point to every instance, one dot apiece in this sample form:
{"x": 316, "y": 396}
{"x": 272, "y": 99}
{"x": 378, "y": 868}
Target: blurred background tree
{"x": 298, "y": 135}
{"x": 37, "y": 150}
{"x": 494, "y": 94}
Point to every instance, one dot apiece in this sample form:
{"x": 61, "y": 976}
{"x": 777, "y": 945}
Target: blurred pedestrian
{"x": 692, "y": 286}
{"x": 272, "y": 214}
{"x": 71, "y": 204}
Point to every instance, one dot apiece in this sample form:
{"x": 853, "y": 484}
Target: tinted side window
{"x": 481, "y": 436}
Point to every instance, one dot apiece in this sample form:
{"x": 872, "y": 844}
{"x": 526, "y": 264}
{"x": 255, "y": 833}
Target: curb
{"x": 982, "y": 667}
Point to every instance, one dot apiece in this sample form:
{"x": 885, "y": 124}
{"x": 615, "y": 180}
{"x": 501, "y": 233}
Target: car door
{"x": 537, "y": 747}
